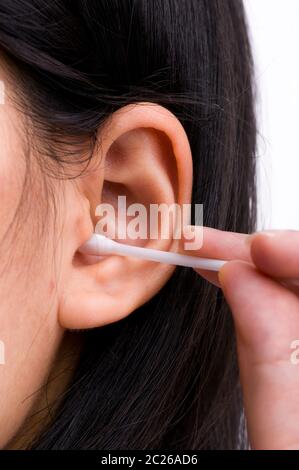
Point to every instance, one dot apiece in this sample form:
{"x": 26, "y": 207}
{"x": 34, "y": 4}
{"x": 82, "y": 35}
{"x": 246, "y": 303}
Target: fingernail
{"x": 266, "y": 233}
{"x": 270, "y": 233}
{"x": 220, "y": 277}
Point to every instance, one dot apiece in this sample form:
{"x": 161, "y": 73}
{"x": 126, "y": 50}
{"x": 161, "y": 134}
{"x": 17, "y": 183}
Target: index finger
{"x": 217, "y": 244}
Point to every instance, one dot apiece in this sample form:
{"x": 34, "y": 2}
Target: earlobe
{"x": 144, "y": 156}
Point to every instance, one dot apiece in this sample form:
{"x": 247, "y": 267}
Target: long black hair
{"x": 166, "y": 376}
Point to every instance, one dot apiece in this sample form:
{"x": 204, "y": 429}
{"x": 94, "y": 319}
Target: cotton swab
{"x": 99, "y": 245}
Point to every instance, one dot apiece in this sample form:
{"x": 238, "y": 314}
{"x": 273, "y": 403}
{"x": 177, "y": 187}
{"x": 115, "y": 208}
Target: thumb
{"x": 266, "y": 317}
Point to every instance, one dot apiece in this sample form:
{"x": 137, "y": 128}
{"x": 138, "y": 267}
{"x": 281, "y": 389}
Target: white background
{"x": 274, "y": 31}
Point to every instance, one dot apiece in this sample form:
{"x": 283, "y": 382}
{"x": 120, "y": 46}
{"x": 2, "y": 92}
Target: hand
{"x": 259, "y": 285}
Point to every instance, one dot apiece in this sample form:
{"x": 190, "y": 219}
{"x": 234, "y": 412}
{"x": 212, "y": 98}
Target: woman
{"x": 152, "y": 100}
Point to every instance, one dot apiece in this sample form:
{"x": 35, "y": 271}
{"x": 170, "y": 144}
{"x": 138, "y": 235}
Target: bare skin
{"x": 259, "y": 286}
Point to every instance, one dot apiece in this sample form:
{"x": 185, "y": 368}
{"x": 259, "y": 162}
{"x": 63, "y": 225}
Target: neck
{"x": 51, "y": 393}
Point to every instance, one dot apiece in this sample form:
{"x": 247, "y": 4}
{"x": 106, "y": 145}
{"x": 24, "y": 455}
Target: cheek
{"x": 29, "y": 331}
{"x": 12, "y": 168}
{"x": 30, "y": 334}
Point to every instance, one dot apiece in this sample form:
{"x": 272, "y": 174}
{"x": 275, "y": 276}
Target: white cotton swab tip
{"x": 101, "y": 245}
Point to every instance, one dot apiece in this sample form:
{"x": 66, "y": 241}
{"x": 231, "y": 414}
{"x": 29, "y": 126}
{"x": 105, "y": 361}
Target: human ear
{"x": 144, "y": 156}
